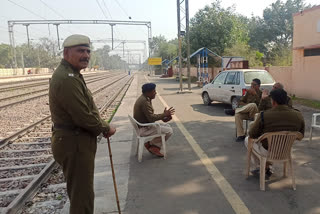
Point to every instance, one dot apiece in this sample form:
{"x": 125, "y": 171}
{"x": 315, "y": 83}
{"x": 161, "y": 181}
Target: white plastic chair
{"x": 140, "y": 140}
{"x": 314, "y": 124}
{"x": 279, "y": 150}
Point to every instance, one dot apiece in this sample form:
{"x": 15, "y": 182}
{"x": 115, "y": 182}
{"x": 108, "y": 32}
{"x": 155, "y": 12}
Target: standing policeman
{"x": 76, "y": 124}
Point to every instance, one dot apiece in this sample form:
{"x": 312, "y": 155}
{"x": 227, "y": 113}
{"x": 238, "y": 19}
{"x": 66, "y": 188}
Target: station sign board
{"x": 155, "y": 61}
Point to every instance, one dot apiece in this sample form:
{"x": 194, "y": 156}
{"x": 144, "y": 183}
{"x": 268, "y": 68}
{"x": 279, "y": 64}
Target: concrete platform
{"x": 105, "y": 200}
{"x": 204, "y": 171}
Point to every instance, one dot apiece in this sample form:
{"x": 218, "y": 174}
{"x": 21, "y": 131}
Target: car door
{"x": 228, "y": 88}
{"x": 216, "y": 88}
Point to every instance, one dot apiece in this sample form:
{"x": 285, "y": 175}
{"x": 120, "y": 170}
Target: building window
{"x": 312, "y": 52}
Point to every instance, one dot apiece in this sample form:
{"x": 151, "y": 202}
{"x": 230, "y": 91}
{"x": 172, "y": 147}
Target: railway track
{"x": 16, "y": 92}
{"x": 12, "y": 85}
{"x": 41, "y": 105}
{"x": 42, "y": 94}
{"x": 26, "y": 163}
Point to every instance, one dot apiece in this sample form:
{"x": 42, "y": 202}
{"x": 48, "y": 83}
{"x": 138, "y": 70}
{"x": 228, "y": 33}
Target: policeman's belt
{"x": 67, "y": 127}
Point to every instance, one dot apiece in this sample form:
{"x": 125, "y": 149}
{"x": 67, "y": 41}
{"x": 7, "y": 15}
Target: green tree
{"x": 162, "y": 48}
{"x": 102, "y": 58}
{"x": 43, "y": 54}
{"x": 273, "y": 34}
{"x": 243, "y": 49}
{"x": 217, "y": 28}
{"x": 5, "y": 56}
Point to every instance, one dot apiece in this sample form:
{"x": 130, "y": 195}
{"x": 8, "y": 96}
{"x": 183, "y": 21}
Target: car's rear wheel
{"x": 234, "y": 103}
{"x": 206, "y": 99}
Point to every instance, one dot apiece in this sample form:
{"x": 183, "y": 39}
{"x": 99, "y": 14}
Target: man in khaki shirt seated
{"x": 248, "y": 108}
{"x": 279, "y": 118}
{"x": 265, "y": 102}
{"x": 143, "y": 112}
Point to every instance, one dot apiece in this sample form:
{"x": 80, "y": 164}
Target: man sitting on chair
{"x": 249, "y": 103}
{"x": 279, "y": 118}
{"x": 265, "y": 102}
{"x": 143, "y": 112}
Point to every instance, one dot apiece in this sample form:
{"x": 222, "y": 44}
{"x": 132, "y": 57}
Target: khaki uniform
{"x": 279, "y": 118}
{"x": 247, "y": 111}
{"x": 143, "y": 112}
{"x": 266, "y": 104}
{"x": 250, "y": 98}
{"x": 77, "y": 123}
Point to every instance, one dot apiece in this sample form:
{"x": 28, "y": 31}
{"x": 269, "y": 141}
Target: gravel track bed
{"x": 23, "y": 114}
{"x": 46, "y": 80}
{"x": 50, "y": 200}
{"x": 26, "y": 83}
{"x": 5, "y": 201}
{"x": 14, "y": 185}
{"x": 95, "y": 85}
{"x": 19, "y": 162}
{"x": 56, "y": 177}
{"x": 22, "y": 91}
{"x": 32, "y": 89}
{"x": 7, "y": 102}
{"x": 25, "y": 147}
{"x": 24, "y": 154}
{"x": 32, "y": 140}
{"x": 20, "y": 172}
{"x": 19, "y": 116}
{"x": 51, "y": 197}
{"x": 102, "y": 97}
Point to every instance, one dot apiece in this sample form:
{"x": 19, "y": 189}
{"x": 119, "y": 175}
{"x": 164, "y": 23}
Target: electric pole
{"x": 188, "y": 44}
{"x": 22, "y": 62}
{"x": 181, "y": 33}
{"x": 179, "y": 39}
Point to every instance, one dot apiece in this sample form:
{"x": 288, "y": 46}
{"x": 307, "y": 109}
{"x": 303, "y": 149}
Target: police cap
{"x": 76, "y": 40}
{"x": 148, "y": 87}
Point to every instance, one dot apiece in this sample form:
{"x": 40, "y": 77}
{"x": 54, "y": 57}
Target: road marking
{"x": 230, "y": 194}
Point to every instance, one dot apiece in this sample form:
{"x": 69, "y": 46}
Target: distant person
{"x": 143, "y": 112}
{"x": 279, "y": 118}
{"x": 76, "y": 124}
{"x": 29, "y": 71}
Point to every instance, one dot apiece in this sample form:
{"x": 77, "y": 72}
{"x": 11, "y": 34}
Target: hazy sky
{"x": 162, "y": 14}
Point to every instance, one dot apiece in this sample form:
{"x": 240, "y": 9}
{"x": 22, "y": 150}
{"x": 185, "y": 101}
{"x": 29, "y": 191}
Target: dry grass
{"x": 306, "y": 102}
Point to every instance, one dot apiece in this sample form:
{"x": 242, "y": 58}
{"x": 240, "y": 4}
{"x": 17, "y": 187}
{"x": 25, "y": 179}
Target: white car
{"x": 229, "y": 86}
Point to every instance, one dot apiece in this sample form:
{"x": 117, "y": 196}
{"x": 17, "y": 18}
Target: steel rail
{"x": 42, "y": 82}
{"x": 24, "y": 130}
{"x": 42, "y": 95}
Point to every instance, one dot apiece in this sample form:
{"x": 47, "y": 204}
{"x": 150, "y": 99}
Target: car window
{"x": 220, "y": 79}
{"x": 231, "y": 78}
{"x": 238, "y": 78}
{"x": 263, "y": 76}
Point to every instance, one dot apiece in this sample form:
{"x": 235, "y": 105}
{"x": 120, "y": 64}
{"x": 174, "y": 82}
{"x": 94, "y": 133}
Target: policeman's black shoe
{"x": 269, "y": 172}
{"x": 229, "y": 112}
{"x": 240, "y": 138}
{"x": 256, "y": 173}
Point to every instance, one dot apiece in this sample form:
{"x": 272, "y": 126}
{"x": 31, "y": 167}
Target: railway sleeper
{"x": 17, "y": 178}
{"x": 23, "y": 166}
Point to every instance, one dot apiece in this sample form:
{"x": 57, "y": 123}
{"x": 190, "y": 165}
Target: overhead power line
{"x": 31, "y": 11}
{"x": 122, "y": 9}
{"x": 105, "y": 5}
{"x": 26, "y": 9}
{"x": 101, "y": 9}
{"x": 56, "y": 12}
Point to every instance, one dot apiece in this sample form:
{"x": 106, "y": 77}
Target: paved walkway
{"x": 204, "y": 171}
